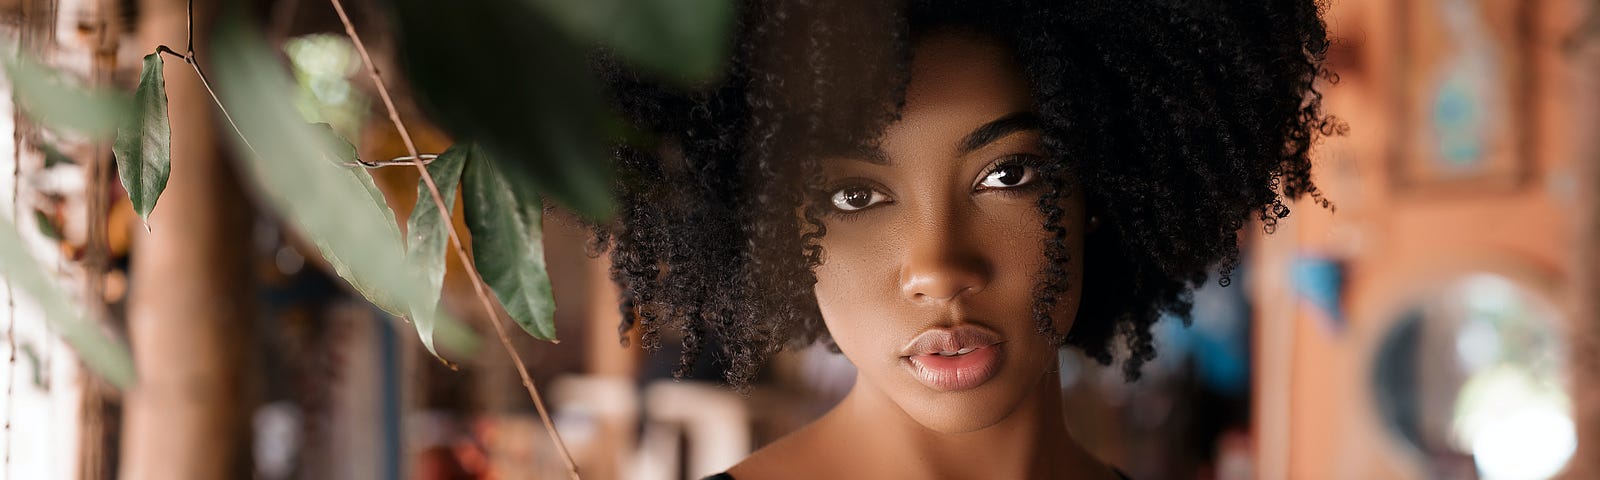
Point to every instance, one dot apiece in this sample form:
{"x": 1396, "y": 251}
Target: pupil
{"x": 857, "y": 197}
{"x": 1010, "y": 175}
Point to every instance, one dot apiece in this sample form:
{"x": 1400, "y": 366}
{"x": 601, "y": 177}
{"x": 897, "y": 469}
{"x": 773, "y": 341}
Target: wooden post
{"x": 190, "y": 300}
{"x": 1585, "y": 333}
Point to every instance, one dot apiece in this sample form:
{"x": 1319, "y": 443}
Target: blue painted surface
{"x": 391, "y": 368}
{"x": 1458, "y": 120}
{"x": 1320, "y": 283}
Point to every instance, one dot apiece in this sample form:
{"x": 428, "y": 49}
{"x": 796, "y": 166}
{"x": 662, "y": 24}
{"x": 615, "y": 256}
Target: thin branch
{"x": 455, "y": 239}
{"x": 188, "y": 25}
{"x": 11, "y": 298}
{"x": 424, "y": 159}
{"x": 189, "y": 59}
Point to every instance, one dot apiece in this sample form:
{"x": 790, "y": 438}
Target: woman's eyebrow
{"x": 867, "y": 153}
{"x": 997, "y": 129}
{"x": 983, "y": 135}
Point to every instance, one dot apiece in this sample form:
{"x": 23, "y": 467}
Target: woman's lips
{"x": 936, "y": 357}
{"x": 960, "y": 372}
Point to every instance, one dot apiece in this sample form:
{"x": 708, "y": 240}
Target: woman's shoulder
{"x": 813, "y": 452}
{"x": 798, "y": 453}
{"x": 726, "y": 476}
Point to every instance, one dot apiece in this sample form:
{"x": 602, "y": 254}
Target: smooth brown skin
{"x": 938, "y": 250}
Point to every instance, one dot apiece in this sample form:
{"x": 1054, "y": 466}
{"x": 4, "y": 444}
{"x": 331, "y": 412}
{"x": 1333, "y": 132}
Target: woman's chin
{"x": 964, "y": 411}
{"x": 1024, "y": 375}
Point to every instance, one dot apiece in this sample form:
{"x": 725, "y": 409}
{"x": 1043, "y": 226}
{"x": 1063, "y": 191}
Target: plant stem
{"x": 423, "y": 159}
{"x": 189, "y": 59}
{"x": 11, "y": 299}
{"x": 188, "y": 32}
{"x": 455, "y": 239}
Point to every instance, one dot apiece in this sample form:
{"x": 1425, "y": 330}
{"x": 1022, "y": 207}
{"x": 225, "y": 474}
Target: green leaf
{"x": 36, "y": 366}
{"x": 297, "y": 167}
{"x": 144, "y": 143}
{"x": 48, "y": 98}
{"x": 429, "y": 234}
{"x": 424, "y": 312}
{"x": 46, "y": 227}
{"x": 685, "y": 38}
{"x": 507, "y": 244}
{"x": 105, "y": 357}
{"x": 336, "y": 152}
{"x": 53, "y": 156}
{"x": 539, "y": 113}
{"x": 341, "y": 153}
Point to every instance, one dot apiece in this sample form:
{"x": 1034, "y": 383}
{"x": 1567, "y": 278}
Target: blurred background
{"x": 1442, "y": 323}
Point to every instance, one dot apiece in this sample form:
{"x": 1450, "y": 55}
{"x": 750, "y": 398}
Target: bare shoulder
{"x": 796, "y": 455}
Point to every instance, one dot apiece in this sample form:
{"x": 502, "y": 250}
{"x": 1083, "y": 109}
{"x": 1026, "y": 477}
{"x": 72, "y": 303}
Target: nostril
{"x": 944, "y": 285}
{"x": 941, "y": 267}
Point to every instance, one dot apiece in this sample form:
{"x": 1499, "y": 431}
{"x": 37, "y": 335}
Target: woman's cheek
{"x": 855, "y": 293}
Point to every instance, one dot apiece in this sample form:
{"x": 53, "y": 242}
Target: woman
{"x": 948, "y": 192}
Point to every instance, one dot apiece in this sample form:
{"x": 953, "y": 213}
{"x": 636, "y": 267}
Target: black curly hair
{"x": 1180, "y": 119}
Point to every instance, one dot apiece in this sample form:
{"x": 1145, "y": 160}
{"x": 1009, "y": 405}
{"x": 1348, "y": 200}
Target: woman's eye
{"x": 850, "y": 199}
{"x": 1008, "y": 176}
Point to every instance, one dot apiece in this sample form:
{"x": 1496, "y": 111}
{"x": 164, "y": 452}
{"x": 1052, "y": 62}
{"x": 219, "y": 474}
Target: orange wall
{"x": 1315, "y": 416}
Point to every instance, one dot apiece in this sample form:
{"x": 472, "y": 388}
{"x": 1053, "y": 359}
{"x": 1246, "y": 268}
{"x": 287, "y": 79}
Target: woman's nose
{"x": 940, "y": 267}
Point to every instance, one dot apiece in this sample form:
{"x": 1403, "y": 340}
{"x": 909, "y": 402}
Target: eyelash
{"x": 1020, "y": 159}
{"x": 825, "y": 200}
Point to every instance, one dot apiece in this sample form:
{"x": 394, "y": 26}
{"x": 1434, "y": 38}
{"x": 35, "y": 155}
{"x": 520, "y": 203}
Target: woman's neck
{"x": 1031, "y": 442}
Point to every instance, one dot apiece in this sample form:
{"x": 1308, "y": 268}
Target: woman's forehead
{"x": 960, "y": 81}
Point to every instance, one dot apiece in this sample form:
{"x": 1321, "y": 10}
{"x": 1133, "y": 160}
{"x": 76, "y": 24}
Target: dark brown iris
{"x": 858, "y": 197}
{"x": 1009, "y": 175}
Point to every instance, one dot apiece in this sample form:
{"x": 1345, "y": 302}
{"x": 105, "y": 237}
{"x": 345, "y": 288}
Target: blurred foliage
{"x": 687, "y": 40}
{"x": 106, "y": 357}
{"x": 53, "y": 156}
{"x": 47, "y": 97}
{"x": 50, "y": 99}
{"x": 499, "y": 74}
{"x": 322, "y": 66}
{"x": 513, "y": 76}
{"x": 298, "y": 167}
{"x": 47, "y": 227}
{"x": 509, "y": 79}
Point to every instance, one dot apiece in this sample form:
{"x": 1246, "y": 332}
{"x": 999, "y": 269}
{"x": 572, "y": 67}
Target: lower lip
{"x": 960, "y": 372}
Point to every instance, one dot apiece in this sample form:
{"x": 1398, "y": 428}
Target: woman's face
{"x": 935, "y": 243}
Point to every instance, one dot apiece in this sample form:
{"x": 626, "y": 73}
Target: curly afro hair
{"x": 1181, "y": 120}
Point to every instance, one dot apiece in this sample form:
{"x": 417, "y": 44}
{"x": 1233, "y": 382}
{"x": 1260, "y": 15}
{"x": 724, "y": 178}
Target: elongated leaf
{"x": 429, "y": 236}
{"x": 340, "y": 152}
{"x": 530, "y": 100}
{"x": 144, "y": 142}
{"x": 686, "y": 38}
{"x": 298, "y": 169}
{"x": 424, "y": 314}
{"x": 507, "y": 244}
{"x": 337, "y": 152}
{"x": 48, "y": 98}
{"x": 105, "y": 357}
